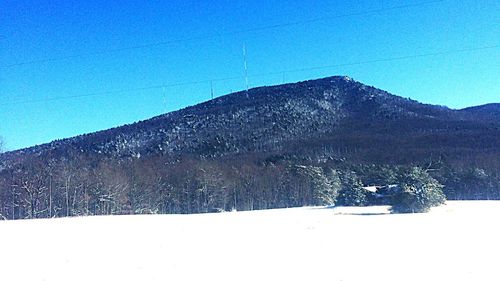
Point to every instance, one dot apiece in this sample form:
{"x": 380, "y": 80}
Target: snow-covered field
{"x": 459, "y": 241}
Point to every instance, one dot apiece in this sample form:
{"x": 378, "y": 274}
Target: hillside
{"x": 336, "y": 111}
{"x": 453, "y": 242}
{"x": 226, "y": 153}
{"x": 487, "y": 112}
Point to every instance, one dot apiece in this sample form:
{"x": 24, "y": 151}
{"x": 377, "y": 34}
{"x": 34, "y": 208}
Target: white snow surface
{"x": 459, "y": 241}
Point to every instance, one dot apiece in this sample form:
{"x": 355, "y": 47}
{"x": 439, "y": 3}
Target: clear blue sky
{"x": 54, "y": 49}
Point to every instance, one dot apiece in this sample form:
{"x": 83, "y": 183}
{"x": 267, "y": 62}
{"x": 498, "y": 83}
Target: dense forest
{"x": 307, "y": 143}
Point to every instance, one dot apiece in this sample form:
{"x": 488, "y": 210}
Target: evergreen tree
{"x": 323, "y": 185}
{"x": 419, "y": 192}
{"x": 352, "y": 193}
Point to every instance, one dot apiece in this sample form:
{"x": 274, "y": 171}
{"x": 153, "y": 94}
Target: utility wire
{"x": 163, "y": 86}
{"x": 378, "y": 60}
{"x": 204, "y": 37}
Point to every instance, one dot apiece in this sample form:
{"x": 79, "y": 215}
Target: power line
{"x": 206, "y": 81}
{"x": 379, "y": 60}
{"x": 102, "y": 93}
{"x": 235, "y": 32}
{"x": 363, "y": 13}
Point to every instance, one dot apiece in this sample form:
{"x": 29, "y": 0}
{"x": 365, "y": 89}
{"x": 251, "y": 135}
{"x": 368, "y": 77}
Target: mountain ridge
{"x": 487, "y": 112}
{"x": 246, "y": 99}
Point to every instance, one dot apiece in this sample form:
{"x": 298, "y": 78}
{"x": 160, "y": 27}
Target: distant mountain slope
{"x": 489, "y": 112}
{"x": 337, "y": 109}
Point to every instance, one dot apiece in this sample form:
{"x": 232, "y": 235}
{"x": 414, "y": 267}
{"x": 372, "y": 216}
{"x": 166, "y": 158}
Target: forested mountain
{"x": 489, "y": 112}
{"x": 279, "y": 146}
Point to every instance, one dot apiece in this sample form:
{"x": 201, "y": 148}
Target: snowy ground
{"x": 460, "y": 241}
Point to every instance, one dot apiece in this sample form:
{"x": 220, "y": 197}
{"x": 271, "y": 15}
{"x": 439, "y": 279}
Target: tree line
{"x": 89, "y": 185}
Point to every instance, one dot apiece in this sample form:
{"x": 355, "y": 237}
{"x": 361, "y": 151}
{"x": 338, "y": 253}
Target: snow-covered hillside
{"x": 459, "y": 241}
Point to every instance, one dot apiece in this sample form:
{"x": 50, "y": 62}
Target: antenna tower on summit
{"x": 245, "y": 65}
{"x": 164, "y": 101}
{"x": 211, "y": 90}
